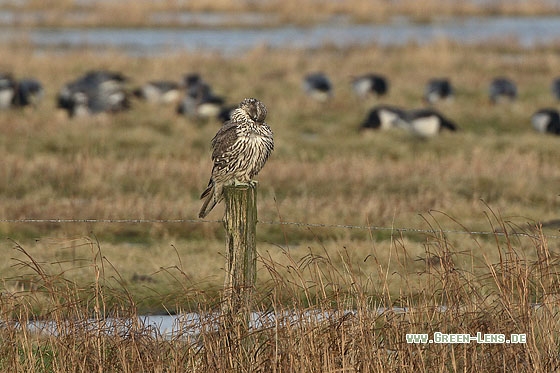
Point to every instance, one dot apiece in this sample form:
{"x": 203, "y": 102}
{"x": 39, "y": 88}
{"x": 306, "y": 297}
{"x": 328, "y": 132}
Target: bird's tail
{"x": 209, "y": 200}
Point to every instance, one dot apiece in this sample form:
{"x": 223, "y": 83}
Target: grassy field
{"x": 147, "y": 13}
{"x": 419, "y": 197}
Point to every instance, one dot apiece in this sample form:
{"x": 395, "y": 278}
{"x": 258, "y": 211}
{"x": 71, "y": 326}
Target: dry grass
{"x": 145, "y": 13}
{"x": 147, "y": 163}
{"x": 150, "y": 164}
{"x": 322, "y": 312}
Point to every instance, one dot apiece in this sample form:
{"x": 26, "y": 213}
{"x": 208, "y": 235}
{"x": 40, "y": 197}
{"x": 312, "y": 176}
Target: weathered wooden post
{"x": 240, "y": 222}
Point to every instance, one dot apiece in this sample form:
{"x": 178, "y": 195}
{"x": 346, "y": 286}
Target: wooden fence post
{"x": 240, "y": 222}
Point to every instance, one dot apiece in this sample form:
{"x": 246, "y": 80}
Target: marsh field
{"x": 460, "y": 230}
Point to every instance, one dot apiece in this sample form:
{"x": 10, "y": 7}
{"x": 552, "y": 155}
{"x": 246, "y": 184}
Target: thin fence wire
{"x": 290, "y": 223}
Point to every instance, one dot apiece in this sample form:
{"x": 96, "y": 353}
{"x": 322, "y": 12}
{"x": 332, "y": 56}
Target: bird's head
{"x": 253, "y": 109}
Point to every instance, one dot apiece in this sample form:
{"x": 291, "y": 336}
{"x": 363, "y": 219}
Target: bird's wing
{"x": 223, "y": 141}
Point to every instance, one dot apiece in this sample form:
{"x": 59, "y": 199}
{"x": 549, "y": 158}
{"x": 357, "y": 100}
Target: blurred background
{"x": 163, "y": 27}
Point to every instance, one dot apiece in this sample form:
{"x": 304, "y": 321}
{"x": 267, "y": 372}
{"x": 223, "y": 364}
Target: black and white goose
{"x": 159, "y": 92}
{"x": 318, "y": 86}
{"x": 367, "y": 85}
{"x": 502, "y": 90}
{"x": 555, "y": 88}
{"x": 200, "y": 102}
{"x": 95, "y": 92}
{"x": 225, "y": 113}
{"x": 192, "y": 80}
{"x": 383, "y": 117}
{"x": 426, "y": 122}
{"x": 7, "y": 90}
{"x": 546, "y": 121}
{"x": 29, "y": 91}
{"x": 439, "y": 89}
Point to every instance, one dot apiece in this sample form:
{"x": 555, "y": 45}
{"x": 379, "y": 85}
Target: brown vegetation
{"x": 150, "y": 164}
{"x": 146, "y": 13}
{"x": 318, "y": 313}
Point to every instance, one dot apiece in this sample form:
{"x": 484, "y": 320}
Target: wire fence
{"x": 285, "y": 223}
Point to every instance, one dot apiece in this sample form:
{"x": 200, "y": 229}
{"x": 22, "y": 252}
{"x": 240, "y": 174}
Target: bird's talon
{"x": 240, "y": 183}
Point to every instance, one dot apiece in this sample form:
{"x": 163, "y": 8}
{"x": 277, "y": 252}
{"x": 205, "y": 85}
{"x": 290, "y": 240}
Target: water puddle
{"x": 187, "y": 325}
{"x": 528, "y": 31}
{"x": 190, "y": 325}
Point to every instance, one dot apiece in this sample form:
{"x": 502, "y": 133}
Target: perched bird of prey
{"x": 438, "y": 89}
{"x": 546, "y": 121}
{"x": 239, "y": 151}
{"x": 502, "y": 90}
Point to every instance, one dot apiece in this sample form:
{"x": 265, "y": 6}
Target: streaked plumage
{"x": 426, "y": 122}
{"x": 383, "y": 117}
{"x": 546, "y": 121}
{"x": 370, "y": 85}
{"x": 438, "y": 90}
{"x": 239, "y": 151}
{"x": 317, "y": 86}
{"x": 502, "y": 90}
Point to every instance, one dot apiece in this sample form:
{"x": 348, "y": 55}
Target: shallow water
{"x": 528, "y": 31}
{"x": 188, "y": 325}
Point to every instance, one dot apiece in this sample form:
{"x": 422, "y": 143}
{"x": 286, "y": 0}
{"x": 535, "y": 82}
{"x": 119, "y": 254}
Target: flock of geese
{"x": 105, "y": 91}
{"x": 99, "y": 91}
{"x": 427, "y": 122}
